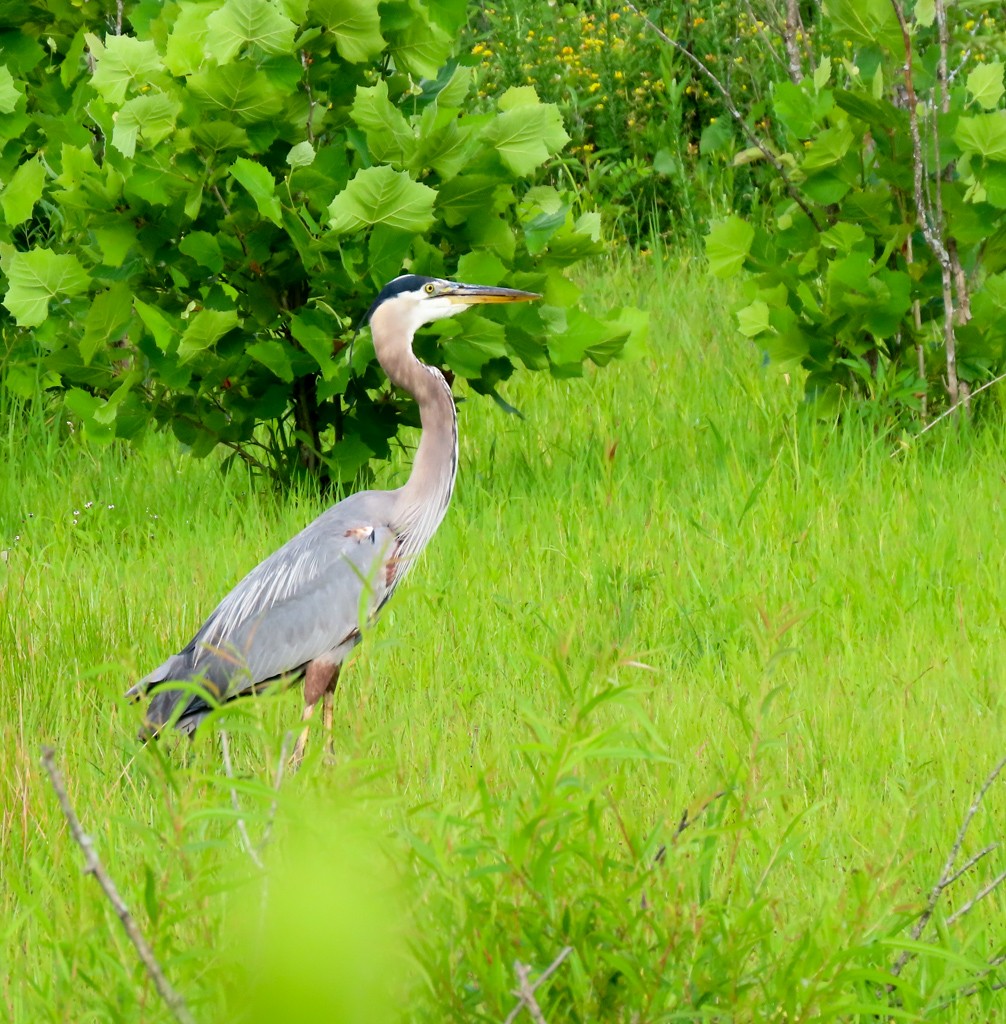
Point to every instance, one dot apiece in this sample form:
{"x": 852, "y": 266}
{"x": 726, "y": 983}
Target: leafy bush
{"x": 202, "y": 198}
{"x": 882, "y": 270}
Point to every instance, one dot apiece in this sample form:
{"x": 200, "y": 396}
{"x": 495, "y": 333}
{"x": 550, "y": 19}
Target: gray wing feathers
{"x": 305, "y": 601}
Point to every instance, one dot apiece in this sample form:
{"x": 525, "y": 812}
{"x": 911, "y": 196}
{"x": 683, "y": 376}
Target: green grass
{"x": 664, "y": 583}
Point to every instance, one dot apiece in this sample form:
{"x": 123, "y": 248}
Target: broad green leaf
{"x": 386, "y": 251}
{"x": 843, "y": 236}
{"x": 115, "y": 241}
{"x": 984, "y": 134}
{"x": 877, "y": 113}
{"x": 453, "y": 95}
{"x": 925, "y": 12}
{"x": 866, "y": 22}
{"x": 8, "y": 93}
{"x": 185, "y": 50}
{"x": 753, "y": 320}
{"x": 238, "y": 90}
{"x": 381, "y": 195}
{"x": 347, "y": 457}
{"x": 354, "y": 24}
{"x": 23, "y": 191}
{"x": 801, "y": 111}
{"x": 828, "y": 148}
{"x": 481, "y": 268}
{"x": 315, "y": 331}
{"x": 205, "y": 329}
{"x": 469, "y": 194}
{"x": 301, "y": 155}
{"x": 125, "y": 62}
{"x": 447, "y": 149}
{"x": 261, "y": 187}
{"x": 727, "y": 245}
{"x": 420, "y": 46}
{"x": 220, "y": 136}
{"x": 985, "y": 84}
{"x": 274, "y": 356}
{"x": 106, "y": 319}
{"x": 822, "y": 73}
{"x": 149, "y": 119}
{"x": 204, "y": 249}
{"x": 527, "y": 132}
{"x": 581, "y": 336}
{"x": 469, "y": 346}
{"x": 240, "y": 23}
{"x": 390, "y": 138}
{"x": 36, "y": 276}
{"x": 162, "y": 329}
{"x": 994, "y": 181}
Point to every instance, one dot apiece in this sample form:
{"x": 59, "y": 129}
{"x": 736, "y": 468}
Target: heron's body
{"x": 300, "y": 612}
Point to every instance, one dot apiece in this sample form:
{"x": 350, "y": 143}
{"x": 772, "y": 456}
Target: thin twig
{"x": 948, "y": 874}
{"x": 734, "y": 113}
{"x": 977, "y": 898}
{"x": 246, "y": 842}
{"x": 93, "y": 866}
{"x": 949, "y": 412}
{"x": 305, "y": 60}
{"x": 970, "y": 863}
{"x": 525, "y": 992}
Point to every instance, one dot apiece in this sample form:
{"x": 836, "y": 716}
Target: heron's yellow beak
{"x": 473, "y": 294}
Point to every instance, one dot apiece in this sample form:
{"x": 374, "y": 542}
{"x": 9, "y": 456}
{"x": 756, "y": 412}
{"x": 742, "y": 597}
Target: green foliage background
{"x": 201, "y": 200}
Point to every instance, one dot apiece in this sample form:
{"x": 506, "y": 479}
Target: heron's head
{"x": 410, "y": 301}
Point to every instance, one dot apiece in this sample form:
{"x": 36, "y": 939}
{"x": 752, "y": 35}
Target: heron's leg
{"x": 298, "y": 751}
{"x": 319, "y": 676}
{"x": 328, "y": 713}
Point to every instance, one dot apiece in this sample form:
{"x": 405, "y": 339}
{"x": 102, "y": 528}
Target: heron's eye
{"x": 429, "y": 289}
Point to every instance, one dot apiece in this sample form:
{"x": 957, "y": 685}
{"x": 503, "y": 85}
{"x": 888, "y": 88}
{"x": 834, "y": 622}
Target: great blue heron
{"x": 299, "y": 612}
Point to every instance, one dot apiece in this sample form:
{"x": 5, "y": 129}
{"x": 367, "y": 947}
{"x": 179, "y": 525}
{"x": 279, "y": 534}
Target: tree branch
{"x": 93, "y": 866}
{"x": 948, "y": 875}
{"x": 930, "y": 220}
{"x": 525, "y": 991}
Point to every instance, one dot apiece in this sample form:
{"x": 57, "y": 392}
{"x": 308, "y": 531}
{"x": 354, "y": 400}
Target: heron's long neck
{"x": 424, "y": 498}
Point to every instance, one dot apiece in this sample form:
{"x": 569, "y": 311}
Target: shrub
{"x": 202, "y": 198}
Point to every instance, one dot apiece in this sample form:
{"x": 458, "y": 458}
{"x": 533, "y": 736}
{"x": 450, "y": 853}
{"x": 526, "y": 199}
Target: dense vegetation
{"x": 683, "y": 713}
{"x": 666, "y": 590}
{"x": 201, "y": 200}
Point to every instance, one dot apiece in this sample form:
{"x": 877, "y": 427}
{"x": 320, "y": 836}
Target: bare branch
{"x": 949, "y": 412}
{"x": 93, "y": 866}
{"x": 977, "y": 898}
{"x": 793, "y": 26}
{"x": 930, "y": 215}
{"x": 734, "y": 113}
{"x": 949, "y": 875}
{"x": 525, "y": 991}
{"x": 305, "y": 60}
{"x": 970, "y": 863}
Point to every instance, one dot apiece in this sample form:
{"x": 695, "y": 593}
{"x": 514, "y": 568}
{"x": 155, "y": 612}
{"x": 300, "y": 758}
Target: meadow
{"x": 688, "y": 682}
